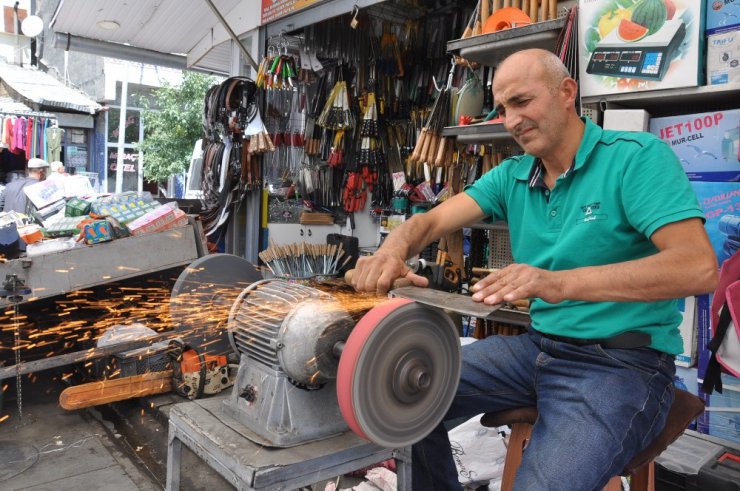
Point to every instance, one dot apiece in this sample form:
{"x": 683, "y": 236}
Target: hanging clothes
{"x": 54, "y": 139}
{"x": 19, "y": 136}
{"x": 29, "y": 135}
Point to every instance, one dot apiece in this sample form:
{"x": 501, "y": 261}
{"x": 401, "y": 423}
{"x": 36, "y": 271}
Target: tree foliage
{"x": 172, "y": 124}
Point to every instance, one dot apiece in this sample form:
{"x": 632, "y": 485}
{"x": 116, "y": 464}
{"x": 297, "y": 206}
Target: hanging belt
{"x": 626, "y": 340}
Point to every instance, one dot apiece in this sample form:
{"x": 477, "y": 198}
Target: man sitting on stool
{"x": 605, "y": 232}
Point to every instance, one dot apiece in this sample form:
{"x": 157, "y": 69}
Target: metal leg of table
{"x": 403, "y": 469}
{"x": 174, "y": 449}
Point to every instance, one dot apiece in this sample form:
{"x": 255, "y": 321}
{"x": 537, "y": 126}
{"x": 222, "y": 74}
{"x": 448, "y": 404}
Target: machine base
{"x": 279, "y": 413}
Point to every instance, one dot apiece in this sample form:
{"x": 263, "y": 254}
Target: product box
{"x": 76, "y": 207}
{"x": 97, "y": 231}
{"x": 707, "y": 143}
{"x": 722, "y": 15}
{"x": 63, "y": 227}
{"x": 721, "y": 417}
{"x": 157, "y": 220}
{"x": 723, "y": 58}
{"x": 687, "y": 328}
{"x": 639, "y": 45}
{"x": 626, "y": 120}
{"x": 703, "y": 335}
{"x": 721, "y": 204}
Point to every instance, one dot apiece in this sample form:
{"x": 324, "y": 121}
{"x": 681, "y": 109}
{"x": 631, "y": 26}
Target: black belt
{"x": 626, "y": 340}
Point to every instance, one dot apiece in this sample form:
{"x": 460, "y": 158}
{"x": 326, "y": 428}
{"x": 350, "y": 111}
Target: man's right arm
{"x": 377, "y": 272}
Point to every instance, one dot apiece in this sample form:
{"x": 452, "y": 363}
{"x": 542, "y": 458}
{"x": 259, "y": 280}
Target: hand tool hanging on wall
{"x": 428, "y": 145}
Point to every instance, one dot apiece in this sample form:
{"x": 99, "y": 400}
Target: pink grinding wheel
{"x": 398, "y": 372}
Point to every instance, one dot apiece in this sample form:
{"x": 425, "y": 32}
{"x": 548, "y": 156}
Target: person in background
{"x": 58, "y": 171}
{"x": 15, "y": 198}
{"x": 605, "y": 233}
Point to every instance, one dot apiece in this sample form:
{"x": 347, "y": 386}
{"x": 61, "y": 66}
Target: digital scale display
{"x": 645, "y": 59}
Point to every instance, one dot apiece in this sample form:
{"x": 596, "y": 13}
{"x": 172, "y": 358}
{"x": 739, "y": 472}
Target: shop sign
{"x": 130, "y": 160}
{"x": 76, "y": 156}
{"x": 275, "y": 9}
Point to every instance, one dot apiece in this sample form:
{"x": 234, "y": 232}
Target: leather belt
{"x": 626, "y": 340}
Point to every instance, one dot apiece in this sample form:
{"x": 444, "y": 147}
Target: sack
{"x": 479, "y": 452}
{"x": 725, "y": 323}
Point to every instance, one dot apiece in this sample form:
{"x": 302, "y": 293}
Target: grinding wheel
{"x": 202, "y": 297}
{"x": 398, "y": 372}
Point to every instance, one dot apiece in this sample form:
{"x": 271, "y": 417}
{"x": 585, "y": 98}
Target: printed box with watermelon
{"x": 640, "y": 45}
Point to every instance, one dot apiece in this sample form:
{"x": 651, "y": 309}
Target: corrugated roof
{"x": 8, "y": 105}
{"x": 45, "y": 90}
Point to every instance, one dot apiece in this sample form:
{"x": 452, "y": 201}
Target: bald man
{"x": 605, "y": 233}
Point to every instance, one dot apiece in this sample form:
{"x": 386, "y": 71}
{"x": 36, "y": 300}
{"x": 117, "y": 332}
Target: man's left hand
{"x": 518, "y": 281}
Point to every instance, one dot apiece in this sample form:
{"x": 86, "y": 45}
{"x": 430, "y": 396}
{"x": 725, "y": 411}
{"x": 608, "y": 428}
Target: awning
{"x": 37, "y": 87}
{"x": 174, "y": 33}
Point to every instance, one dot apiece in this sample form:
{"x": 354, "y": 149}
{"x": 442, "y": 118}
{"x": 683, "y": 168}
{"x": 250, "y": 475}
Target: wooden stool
{"x": 685, "y": 408}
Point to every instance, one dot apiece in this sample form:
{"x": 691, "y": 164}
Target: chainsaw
{"x": 190, "y": 374}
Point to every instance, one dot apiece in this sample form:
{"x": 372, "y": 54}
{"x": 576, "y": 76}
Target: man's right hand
{"x": 376, "y": 273}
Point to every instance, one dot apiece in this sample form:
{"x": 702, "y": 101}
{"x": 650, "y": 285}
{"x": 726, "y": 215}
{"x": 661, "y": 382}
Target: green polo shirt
{"x": 621, "y": 188}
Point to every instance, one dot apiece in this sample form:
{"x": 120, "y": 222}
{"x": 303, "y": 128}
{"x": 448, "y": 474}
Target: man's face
{"x": 532, "y": 111}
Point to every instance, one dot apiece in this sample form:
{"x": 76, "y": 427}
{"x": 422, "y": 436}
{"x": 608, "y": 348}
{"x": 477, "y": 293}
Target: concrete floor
{"x": 117, "y": 447}
{"x": 52, "y": 449}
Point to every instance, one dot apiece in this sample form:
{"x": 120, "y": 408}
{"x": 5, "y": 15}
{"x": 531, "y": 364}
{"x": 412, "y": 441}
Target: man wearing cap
{"x": 15, "y": 198}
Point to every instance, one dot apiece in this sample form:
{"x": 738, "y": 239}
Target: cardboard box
{"x": 707, "y": 143}
{"x": 97, "y": 231}
{"x": 63, "y": 227}
{"x": 687, "y": 328}
{"x": 721, "y": 15}
{"x": 721, "y": 417}
{"x": 723, "y": 58}
{"x": 157, "y": 220}
{"x": 626, "y": 119}
{"x": 618, "y": 55}
{"x": 76, "y": 207}
{"x": 721, "y": 204}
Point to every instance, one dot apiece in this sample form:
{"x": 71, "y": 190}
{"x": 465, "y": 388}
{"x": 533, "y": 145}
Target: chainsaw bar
{"x": 398, "y": 372}
{"x": 202, "y": 298}
{"x": 117, "y": 389}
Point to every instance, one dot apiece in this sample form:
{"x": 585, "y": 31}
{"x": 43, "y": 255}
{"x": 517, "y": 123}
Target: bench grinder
{"x": 307, "y": 370}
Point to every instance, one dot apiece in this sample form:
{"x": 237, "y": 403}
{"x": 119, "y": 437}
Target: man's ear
{"x": 569, "y": 90}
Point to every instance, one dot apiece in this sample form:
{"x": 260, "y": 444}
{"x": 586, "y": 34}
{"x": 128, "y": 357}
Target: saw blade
{"x": 202, "y": 298}
{"x": 398, "y": 372}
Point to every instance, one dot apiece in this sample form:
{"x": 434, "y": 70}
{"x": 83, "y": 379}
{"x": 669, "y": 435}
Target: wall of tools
{"x": 349, "y": 125}
{"x": 356, "y": 105}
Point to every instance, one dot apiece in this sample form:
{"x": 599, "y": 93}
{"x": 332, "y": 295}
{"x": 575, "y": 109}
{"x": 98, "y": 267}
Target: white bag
{"x": 479, "y": 452}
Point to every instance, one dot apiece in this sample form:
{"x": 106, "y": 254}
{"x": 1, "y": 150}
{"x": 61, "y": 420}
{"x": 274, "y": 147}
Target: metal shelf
{"x": 671, "y": 102}
{"x": 490, "y": 49}
{"x": 478, "y": 133}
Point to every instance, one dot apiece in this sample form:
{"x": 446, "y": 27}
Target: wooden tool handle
{"x": 397, "y": 283}
{"x": 485, "y": 9}
{"x": 533, "y": 8}
{"x": 553, "y": 14}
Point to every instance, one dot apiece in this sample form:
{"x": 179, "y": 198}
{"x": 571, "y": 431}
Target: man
{"x": 15, "y": 198}
{"x": 605, "y": 231}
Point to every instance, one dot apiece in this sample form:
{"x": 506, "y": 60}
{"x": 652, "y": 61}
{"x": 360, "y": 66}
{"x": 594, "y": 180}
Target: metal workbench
{"x": 83, "y": 267}
{"x": 204, "y": 427}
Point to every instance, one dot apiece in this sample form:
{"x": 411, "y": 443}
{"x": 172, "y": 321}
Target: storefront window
{"x": 133, "y": 124}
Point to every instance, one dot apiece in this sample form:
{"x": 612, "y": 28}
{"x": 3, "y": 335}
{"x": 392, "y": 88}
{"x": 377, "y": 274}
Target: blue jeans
{"x": 597, "y": 409}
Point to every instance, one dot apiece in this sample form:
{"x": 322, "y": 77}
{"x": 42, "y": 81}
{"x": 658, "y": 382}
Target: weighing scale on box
{"x": 647, "y": 58}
